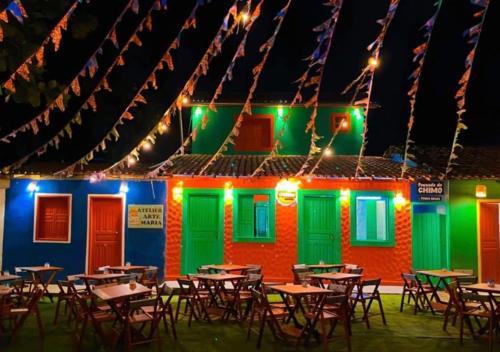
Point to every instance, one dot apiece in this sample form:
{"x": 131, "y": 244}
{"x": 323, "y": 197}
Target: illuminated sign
{"x": 286, "y": 192}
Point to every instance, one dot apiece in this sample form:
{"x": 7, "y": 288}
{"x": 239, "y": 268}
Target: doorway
{"x": 319, "y": 227}
{"x": 429, "y": 241}
{"x": 105, "y": 231}
{"x": 202, "y": 229}
{"x": 489, "y": 246}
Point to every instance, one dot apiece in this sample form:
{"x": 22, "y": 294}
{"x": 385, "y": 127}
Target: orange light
{"x": 345, "y": 125}
{"x": 244, "y": 17}
{"x": 399, "y": 200}
{"x": 228, "y": 192}
{"x": 177, "y": 192}
{"x": 345, "y": 195}
{"x": 185, "y": 100}
{"x": 373, "y": 62}
{"x": 481, "y": 191}
{"x": 146, "y": 145}
{"x": 131, "y": 161}
{"x": 162, "y": 127}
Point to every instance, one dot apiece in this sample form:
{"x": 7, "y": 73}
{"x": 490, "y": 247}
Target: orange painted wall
{"x": 277, "y": 258}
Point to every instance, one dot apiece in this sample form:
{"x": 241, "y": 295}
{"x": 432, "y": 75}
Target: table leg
{"x": 291, "y": 311}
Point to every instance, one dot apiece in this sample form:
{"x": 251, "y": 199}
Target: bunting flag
{"x": 37, "y": 57}
{"x": 473, "y": 34}
{"x": 214, "y": 49}
{"x": 150, "y": 82}
{"x": 420, "y": 54}
{"x": 367, "y": 76}
{"x": 317, "y": 61}
{"x": 16, "y": 8}
{"x": 90, "y": 68}
{"x": 103, "y": 85}
{"x": 246, "y": 111}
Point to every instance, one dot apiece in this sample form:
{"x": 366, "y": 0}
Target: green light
{"x": 358, "y": 114}
{"x": 198, "y": 112}
{"x": 280, "y": 111}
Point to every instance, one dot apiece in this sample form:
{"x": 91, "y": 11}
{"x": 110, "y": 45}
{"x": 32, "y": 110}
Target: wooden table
{"x": 325, "y": 267}
{"x": 227, "y": 267}
{"x": 99, "y": 278}
{"x": 442, "y": 276}
{"x": 483, "y": 287}
{"x": 43, "y": 275}
{"x": 5, "y": 278}
{"x": 218, "y": 280}
{"x": 336, "y": 277}
{"x": 297, "y": 292}
{"x": 4, "y": 290}
{"x": 127, "y": 268}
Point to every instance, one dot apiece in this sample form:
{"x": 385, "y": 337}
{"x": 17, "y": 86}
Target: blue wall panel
{"x": 142, "y": 246}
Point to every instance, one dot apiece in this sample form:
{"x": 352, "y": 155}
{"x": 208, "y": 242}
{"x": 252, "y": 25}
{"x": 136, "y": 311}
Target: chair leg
{"x": 365, "y": 314}
{"x": 461, "y": 329}
{"x": 250, "y": 323}
{"x": 402, "y": 301}
{"x": 379, "y": 300}
{"x": 38, "y": 320}
{"x": 57, "y": 310}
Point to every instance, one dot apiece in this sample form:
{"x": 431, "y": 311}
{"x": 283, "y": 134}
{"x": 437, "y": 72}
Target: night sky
{"x": 357, "y": 27}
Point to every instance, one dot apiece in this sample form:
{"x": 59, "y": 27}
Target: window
{"x": 52, "y": 218}
{"x": 254, "y": 216}
{"x": 256, "y": 134}
{"x": 372, "y": 219}
{"x": 340, "y": 119}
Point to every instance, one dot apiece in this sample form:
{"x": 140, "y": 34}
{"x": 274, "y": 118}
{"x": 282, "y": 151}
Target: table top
{"x": 100, "y": 276}
{"x": 219, "y": 277}
{"x": 119, "y": 291}
{"x": 483, "y": 287}
{"x": 228, "y": 267}
{"x": 41, "y": 268}
{"x": 325, "y": 266}
{"x": 128, "y": 268}
{"x": 9, "y": 277}
{"x": 442, "y": 273}
{"x": 4, "y": 290}
{"x": 298, "y": 290}
{"x": 336, "y": 276}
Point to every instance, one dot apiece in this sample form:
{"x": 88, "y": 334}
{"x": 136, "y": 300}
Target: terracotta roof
{"x": 472, "y": 162}
{"x": 284, "y": 166}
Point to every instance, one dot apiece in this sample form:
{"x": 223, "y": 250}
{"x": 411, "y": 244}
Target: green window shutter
{"x": 246, "y": 216}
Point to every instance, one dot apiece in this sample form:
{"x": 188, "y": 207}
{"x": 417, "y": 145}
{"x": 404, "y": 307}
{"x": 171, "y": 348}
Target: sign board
{"x": 429, "y": 191}
{"x": 286, "y": 192}
{"x": 145, "y": 216}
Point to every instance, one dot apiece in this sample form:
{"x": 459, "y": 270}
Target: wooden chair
{"x": 164, "y": 308}
{"x": 150, "y": 278}
{"x": 456, "y": 306}
{"x": 485, "y": 311}
{"x": 19, "y": 315}
{"x": 416, "y": 292}
{"x": 137, "y": 321}
{"x": 235, "y": 299}
{"x": 85, "y": 313}
{"x": 196, "y": 302}
{"x": 337, "y": 312}
{"x": 367, "y": 292}
{"x": 65, "y": 296}
{"x": 271, "y": 316}
{"x": 18, "y": 294}
{"x": 358, "y": 271}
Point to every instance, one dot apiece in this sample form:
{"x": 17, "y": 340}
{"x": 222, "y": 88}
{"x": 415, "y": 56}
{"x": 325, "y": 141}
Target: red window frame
{"x": 336, "y": 118}
{"x": 41, "y": 232}
{"x": 242, "y": 144}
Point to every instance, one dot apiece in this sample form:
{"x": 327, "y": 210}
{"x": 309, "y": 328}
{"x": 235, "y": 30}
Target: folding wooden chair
{"x": 19, "y": 315}
{"x": 485, "y": 311}
{"x": 150, "y": 278}
{"x": 164, "y": 308}
{"x": 367, "y": 292}
{"x": 138, "y": 319}
{"x": 416, "y": 292}
{"x": 196, "y": 302}
{"x": 336, "y": 311}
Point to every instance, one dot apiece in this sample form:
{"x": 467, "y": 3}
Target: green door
{"x": 319, "y": 227}
{"x": 429, "y": 237}
{"x": 202, "y": 229}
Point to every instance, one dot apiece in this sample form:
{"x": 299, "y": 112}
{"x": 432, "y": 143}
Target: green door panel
{"x": 202, "y": 229}
{"x": 319, "y": 227}
{"x": 428, "y": 238}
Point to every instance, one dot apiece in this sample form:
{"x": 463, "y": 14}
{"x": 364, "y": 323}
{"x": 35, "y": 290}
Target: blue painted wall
{"x": 142, "y": 246}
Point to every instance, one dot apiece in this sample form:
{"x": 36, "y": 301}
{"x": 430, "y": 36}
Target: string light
{"x": 373, "y": 62}
{"x": 345, "y": 125}
{"x": 162, "y": 127}
{"x": 185, "y": 100}
{"x": 328, "y": 152}
{"x": 245, "y": 17}
{"x": 123, "y": 187}
{"x": 131, "y": 161}
{"x": 147, "y": 146}
{"x": 93, "y": 178}
{"x": 198, "y": 112}
{"x": 357, "y": 114}
{"x": 33, "y": 187}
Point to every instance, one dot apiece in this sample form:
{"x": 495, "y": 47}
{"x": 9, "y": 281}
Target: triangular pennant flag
{"x": 75, "y": 87}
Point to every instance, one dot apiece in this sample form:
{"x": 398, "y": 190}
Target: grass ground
{"x": 404, "y": 332}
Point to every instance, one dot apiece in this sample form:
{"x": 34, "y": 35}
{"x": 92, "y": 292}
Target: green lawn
{"x": 404, "y": 333}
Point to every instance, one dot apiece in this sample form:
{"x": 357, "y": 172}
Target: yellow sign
{"x": 145, "y": 216}
{"x": 286, "y": 192}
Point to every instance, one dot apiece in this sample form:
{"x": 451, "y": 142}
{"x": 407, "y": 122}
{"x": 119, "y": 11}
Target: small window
{"x": 372, "y": 222}
{"x": 52, "y": 218}
{"x": 253, "y": 216}
{"x": 256, "y": 134}
{"x": 340, "y": 119}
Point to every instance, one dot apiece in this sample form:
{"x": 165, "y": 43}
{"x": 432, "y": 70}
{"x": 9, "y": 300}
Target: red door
{"x": 490, "y": 238}
{"x": 105, "y": 232}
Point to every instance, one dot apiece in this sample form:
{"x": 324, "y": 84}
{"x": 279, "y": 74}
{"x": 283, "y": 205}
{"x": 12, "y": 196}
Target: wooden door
{"x": 428, "y": 238}
{"x": 105, "y": 232}
{"x": 490, "y": 246}
{"x": 319, "y": 228}
{"x": 202, "y": 229}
